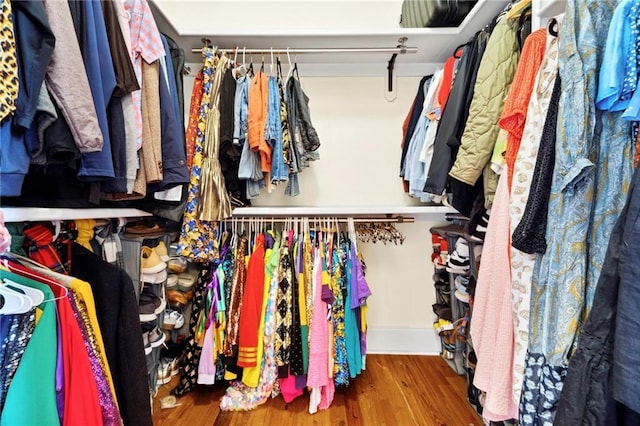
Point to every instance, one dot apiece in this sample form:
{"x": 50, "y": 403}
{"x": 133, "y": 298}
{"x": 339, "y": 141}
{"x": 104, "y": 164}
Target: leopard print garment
{"x": 8, "y": 62}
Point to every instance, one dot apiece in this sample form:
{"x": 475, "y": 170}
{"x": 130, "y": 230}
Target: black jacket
{"x": 117, "y": 311}
{"x": 454, "y": 115}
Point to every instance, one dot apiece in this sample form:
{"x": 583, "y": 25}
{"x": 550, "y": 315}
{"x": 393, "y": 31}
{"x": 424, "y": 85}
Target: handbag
{"x": 434, "y": 13}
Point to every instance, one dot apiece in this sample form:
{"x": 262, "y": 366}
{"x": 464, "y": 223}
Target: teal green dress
{"x": 31, "y": 398}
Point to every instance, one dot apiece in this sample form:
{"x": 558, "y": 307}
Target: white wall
{"x": 360, "y": 134}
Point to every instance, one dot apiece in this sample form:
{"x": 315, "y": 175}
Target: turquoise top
{"x": 31, "y": 398}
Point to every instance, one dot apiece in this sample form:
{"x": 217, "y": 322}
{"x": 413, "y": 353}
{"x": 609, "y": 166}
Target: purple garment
{"x": 59, "y": 373}
{"x": 361, "y": 290}
{"x": 301, "y": 381}
{"x": 268, "y": 241}
{"x": 110, "y": 413}
{"x": 212, "y": 297}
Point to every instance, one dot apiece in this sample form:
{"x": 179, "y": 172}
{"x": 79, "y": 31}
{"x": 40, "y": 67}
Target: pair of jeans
{"x": 273, "y": 134}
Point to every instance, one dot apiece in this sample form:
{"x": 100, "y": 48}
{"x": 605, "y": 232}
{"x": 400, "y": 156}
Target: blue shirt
{"x": 619, "y": 71}
{"x": 94, "y": 45}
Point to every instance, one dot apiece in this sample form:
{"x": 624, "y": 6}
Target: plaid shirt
{"x": 39, "y": 246}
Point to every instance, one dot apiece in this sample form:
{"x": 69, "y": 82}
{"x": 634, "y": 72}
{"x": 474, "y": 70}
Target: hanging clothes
{"x": 190, "y": 359}
{"x": 514, "y": 111}
{"x": 257, "y": 120}
{"x": 454, "y": 116}
{"x": 250, "y": 315}
{"x": 198, "y": 238}
{"x": 522, "y": 264}
{"x": 493, "y": 80}
{"x": 214, "y": 203}
{"x": 492, "y": 335}
{"x": 117, "y": 309}
{"x": 34, "y": 381}
{"x": 581, "y": 213}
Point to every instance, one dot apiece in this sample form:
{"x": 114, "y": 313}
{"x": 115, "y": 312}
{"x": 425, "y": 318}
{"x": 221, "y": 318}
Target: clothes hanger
{"x": 14, "y": 302}
{"x": 552, "y": 27}
{"x": 250, "y": 71}
{"x": 57, "y": 226}
{"x": 352, "y": 233}
{"x": 517, "y": 8}
{"x": 36, "y": 296}
{"x": 30, "y": 263}
{"x": 290, "y": 71}
{"x": 271, "y": 64}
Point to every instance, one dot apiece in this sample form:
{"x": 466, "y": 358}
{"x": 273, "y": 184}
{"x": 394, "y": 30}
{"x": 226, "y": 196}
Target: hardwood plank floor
{"x": 394, "y": 390}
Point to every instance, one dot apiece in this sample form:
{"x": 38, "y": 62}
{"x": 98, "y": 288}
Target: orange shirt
{"x": 514, "y": 112}
{"x": 447, "y": 79}
{"x": 257, "y": 119}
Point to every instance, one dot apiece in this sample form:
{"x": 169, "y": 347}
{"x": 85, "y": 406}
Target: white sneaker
{"x": 172, "y": 319}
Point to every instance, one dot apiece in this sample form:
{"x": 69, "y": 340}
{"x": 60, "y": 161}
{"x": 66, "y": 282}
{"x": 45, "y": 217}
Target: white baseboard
{"x": 404, "y": 341}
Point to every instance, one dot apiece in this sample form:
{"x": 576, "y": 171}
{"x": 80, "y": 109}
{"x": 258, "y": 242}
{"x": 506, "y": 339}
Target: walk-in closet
{"x": 354, "y": 212}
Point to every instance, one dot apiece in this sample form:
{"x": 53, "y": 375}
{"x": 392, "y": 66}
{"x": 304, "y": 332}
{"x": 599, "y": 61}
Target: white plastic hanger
{"x": 14, "y": 301}
{"x": 290, "y": 71}
{"x": 271, "y": 64}
{"x": 36, "y": 296}
{"x": 32, "y": 264}
{"x": 351, "y": 225}
{"x": 57, "y": 228}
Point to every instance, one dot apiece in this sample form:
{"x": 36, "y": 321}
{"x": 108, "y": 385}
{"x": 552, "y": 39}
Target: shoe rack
{"x": 462, "y": 360}
{"x": 132, "y": 251}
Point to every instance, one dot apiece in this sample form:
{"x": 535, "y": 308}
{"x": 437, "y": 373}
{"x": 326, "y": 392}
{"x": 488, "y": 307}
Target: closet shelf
{"x": 189, "y": 25}
{"x": 419, "y": 212}
{"x": 34, "y": 214}
{"x": 548, "y": 8}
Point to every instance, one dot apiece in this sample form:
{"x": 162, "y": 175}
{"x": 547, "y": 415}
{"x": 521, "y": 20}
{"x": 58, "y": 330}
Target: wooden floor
{"x": 395, "y": 390}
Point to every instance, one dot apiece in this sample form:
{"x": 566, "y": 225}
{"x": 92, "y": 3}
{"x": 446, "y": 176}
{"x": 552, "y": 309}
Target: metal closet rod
{"x": 282, "y": 219}
{"x": 319, "y": 50}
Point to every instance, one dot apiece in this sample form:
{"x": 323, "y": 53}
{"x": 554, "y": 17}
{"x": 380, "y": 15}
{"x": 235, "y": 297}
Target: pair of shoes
{"x": 153, "y": 265}
{"x": 172, "y": 282}
{"x": 458, "y": 261}
{"x": 156, "y": 278}
{"x": 439, "y": 244}
{"x": 478, "y": 233}
{"x": 177, "y": 264}
{"x": 461, "y": 293}
{"x": 442, "y": 311}
{"x": 448, "y": 344}
{"x": 145, "y": 227}
{"x": 172, "y": 319}
{"x": 175, "y": 367}
{"x": 152, "y": 339}
{"x": 186, "y": 280}
{"x": 150, "y": 306}
{"x": 178, "y": 299}
{"x": 440, "y": 262}
{"x": 164, "y": 372}
{"x": 443, "y": 293}
{"x": 441, "y": 276}
{"x": 442, "y": 325}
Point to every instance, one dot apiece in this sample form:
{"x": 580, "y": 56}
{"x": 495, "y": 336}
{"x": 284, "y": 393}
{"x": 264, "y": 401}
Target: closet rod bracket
{"x": 392, "y": 62}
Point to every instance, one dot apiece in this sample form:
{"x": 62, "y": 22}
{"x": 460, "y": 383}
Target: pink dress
{"x": 318, "y": 376}
{"x": 492, "y": 319}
